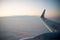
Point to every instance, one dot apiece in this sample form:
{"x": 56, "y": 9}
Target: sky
{"x": 29, "y": 8}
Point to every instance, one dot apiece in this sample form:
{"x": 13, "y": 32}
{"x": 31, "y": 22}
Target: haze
{"x": 28, "y": 7}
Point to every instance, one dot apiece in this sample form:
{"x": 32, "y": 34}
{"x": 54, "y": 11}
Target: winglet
{"x": 42, "y": 16}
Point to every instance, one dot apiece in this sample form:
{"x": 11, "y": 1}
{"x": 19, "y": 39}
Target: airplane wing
{"x": 50, "y": 25}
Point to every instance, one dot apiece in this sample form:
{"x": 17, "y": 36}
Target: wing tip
{"x": 43, "y": 13}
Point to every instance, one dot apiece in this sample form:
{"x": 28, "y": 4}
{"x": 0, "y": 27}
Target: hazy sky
{"x": 29, "y": 7}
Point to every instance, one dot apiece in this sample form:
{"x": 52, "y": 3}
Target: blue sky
{"x": 29, "y": 7}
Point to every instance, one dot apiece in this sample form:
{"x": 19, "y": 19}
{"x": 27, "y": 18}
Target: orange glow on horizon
{"x": 27, "y": 8}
